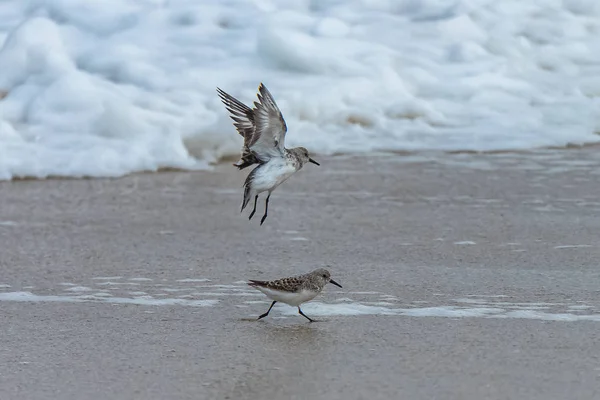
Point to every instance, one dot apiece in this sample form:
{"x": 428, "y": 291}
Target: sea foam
{"x": 113, "y": 87}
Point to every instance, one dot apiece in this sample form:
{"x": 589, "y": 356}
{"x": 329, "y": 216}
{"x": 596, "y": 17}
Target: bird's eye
{"x": 324, "y": 276}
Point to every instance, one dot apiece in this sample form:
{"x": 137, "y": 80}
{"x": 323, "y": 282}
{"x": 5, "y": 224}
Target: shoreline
{"x": 431, "y": 154}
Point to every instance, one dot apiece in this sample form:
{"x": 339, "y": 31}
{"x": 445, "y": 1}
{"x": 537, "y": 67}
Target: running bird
{"x": 263, "y": 130}
{"x": 295, "y": 290}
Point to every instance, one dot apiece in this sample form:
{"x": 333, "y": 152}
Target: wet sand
{"x": 492, "y": 260}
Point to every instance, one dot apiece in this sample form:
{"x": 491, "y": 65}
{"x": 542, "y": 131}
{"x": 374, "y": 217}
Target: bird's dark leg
{"x": 301, "y": 313}
{"x": 254, "y": 209}
{"x": 267, "y": 313}
{"x": 266, "y": 209}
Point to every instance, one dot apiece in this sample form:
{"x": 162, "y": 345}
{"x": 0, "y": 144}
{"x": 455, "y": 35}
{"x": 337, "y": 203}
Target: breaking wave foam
{"x": 112, "y": 87}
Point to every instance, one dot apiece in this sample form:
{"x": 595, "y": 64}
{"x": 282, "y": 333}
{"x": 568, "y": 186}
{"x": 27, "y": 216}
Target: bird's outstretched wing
{"x": 243, "y": 120}
{"x": 262, "y": 127}
{"x": 268, "y": 139}
{"x": 241, "y": 114}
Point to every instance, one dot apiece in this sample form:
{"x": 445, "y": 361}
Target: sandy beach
{"x": 466, "y": 276}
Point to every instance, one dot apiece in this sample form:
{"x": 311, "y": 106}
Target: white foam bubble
{"x": 161, "y": 302}
{"x": 344, "y": 300}
{"x": 378, "y": 303}
{"x": 101, "y": 294}
{"x": 341, "y": 309}
{"x": 545, "y": 316}
{"x": 580, "y": 307}
{"x": 451, "y": 312}
{"x": 109, "y": 283}
{"x": 141, "y": 300}
{"x": 318, "y": 309}
{"x": 223, "y": 294}
{"x": 78, "y": 289}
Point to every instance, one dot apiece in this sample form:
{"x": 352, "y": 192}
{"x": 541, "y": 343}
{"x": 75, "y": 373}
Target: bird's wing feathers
{"x": 241, "y": 114}
{"x": 243, "y": 120}
{"x": 262, "y": 127}
{"x": 288, "y": 284}
{"x": 268, "y": 138}
{"x": 292, "y": 284}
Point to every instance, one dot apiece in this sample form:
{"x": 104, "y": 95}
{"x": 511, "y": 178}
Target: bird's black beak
{"x": 314, "y": 162}
{"x": 335, "y": 283}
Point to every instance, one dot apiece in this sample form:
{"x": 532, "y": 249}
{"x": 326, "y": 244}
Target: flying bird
{"x": 263, "y": 129}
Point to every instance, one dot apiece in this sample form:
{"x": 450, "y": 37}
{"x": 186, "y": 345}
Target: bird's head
{"x": 302, "y": 154}
{"x": 323, "y": 276}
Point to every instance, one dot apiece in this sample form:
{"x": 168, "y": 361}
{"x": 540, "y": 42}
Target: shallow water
{"x": 340, "y": 303}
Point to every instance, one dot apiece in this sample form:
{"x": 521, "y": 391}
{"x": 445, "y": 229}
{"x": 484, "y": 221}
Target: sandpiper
{"x": 263, "y": 129}
{"x": 295, "y": 290}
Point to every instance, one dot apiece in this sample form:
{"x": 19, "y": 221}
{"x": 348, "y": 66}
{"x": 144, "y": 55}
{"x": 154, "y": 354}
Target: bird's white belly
{"x": 272, "y": 175}
{"x": 291, "y": 298}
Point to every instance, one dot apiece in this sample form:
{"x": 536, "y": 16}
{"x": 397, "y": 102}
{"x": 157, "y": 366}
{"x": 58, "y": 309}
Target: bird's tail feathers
{"x": 256, "y": 283}
{"x": 247, "y": 196}
{"x": 248, "y": 158}
{"x": 248, "y": 192}
{"x": 240, "y": 164}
